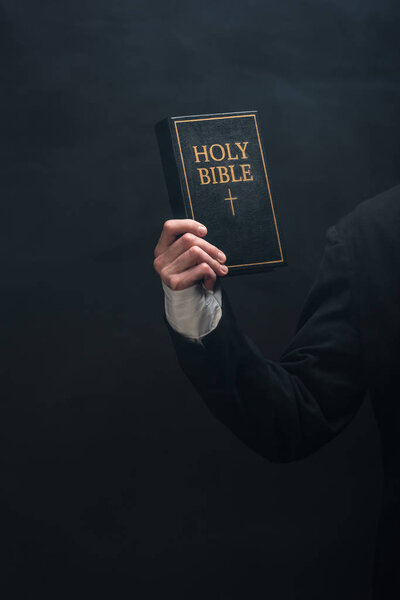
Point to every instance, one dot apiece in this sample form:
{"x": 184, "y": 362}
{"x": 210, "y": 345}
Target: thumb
{"x": 209, "y": 282}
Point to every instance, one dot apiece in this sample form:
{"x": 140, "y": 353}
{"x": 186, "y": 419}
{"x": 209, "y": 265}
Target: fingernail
{"x": 224, "y": 269}
{"x": 221, "y": 256}
{"x": 202, "y": 230}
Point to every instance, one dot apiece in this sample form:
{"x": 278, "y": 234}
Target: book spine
{"x": 170, "y": 168}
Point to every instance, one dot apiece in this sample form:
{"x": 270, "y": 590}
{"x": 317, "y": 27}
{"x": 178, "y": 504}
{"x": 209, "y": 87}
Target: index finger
{"x": 174, "y": 227}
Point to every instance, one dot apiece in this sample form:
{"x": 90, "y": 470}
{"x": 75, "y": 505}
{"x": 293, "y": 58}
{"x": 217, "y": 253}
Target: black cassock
{"x": 347, "y": 344}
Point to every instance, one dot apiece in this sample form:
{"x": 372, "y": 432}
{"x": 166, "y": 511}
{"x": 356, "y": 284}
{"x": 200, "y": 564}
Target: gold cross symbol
{"x": 231, "y": 198}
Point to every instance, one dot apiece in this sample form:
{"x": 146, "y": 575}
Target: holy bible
{"x": 215, "y": 170}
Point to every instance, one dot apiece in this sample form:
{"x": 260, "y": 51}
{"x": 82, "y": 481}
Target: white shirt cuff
{"x": 195, "y": 311}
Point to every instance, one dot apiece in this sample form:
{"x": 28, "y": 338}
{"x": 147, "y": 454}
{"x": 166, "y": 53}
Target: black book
{"x": 216, "y": 173}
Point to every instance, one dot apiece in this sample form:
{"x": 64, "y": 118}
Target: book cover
{"x": 216, "y": 173}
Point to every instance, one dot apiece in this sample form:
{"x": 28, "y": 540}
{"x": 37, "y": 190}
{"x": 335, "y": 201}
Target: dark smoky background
{"x": 114, "y": 478}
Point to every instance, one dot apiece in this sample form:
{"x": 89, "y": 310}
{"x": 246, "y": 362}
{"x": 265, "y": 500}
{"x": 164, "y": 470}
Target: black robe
{"x": 346, "y": 345}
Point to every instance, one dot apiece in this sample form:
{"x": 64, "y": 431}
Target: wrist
{"x": 181, "y": 296}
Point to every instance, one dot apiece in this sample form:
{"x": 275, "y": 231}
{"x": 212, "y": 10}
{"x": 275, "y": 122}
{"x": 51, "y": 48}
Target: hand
{"x": 182, "y": 261}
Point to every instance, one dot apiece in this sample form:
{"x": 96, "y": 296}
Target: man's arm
{"x": 286, "y": 410}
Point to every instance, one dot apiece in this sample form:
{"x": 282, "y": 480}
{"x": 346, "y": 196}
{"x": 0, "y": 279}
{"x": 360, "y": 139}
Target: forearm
{"x": 259, "y": 400}
{"x": 285, "y": 410}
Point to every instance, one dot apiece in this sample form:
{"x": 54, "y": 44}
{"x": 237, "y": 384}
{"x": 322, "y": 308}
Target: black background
{"x": 114, "y": 478}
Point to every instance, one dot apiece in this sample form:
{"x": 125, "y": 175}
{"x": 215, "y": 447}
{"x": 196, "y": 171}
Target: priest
{"x": 346, "y": 345}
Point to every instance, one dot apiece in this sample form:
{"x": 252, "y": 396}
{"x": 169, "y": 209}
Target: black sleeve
{"x": 288, "y": 409}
